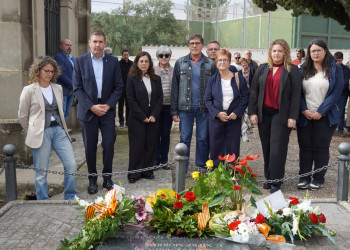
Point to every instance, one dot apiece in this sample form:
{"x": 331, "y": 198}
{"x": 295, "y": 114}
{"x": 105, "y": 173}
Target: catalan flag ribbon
{"x": 108, "y": 207}
{"x": 203, "y": 217}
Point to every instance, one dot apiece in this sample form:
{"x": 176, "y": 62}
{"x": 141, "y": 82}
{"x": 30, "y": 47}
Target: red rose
{"x": 189, "y": 196}
{"x": 313, "y": 217}
{"x": 163, "y": 195}
{"x": 293, "y": 200}
{"x": 323, "y": 218}
{"x": 260, "y": 219}
{"x": 236, "y": 187}
{"x": 234, "y": 225}
{"x": 177, "y": 196}
{"x": 178, "y": 205}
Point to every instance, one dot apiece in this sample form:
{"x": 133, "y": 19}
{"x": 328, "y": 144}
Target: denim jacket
{"x": 182, "y": 82}
{"x": 329, "y": 106}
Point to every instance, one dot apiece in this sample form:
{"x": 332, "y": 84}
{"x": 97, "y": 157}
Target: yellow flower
{"x": 195, "y": 175}
{"x": 209, "y": 164}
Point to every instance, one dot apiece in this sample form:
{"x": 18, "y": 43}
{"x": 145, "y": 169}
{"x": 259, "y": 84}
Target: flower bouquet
{"x": 176, "y": 214}
{"x": 298, "y": 220}
{"x": 102, "y": 218}
{"x": 143, "y": 212}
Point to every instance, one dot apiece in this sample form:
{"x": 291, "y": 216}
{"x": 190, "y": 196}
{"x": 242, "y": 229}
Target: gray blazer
{"x": 31, "y": 112}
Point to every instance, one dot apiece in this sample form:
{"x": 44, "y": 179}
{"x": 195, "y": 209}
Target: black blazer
{"x": 137, "y": 97}
{"x": 290, "y": 93}
{"x": 251, "y": 75}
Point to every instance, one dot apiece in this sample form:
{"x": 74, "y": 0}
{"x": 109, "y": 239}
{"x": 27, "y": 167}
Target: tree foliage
{"x": 339, "y": 10}
{"x": 146, "y": 23}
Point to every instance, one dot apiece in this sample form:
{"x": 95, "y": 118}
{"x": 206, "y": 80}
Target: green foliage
{"x": 145, "y": 23}
{"x": 96, "y": 231}
{"x": 338, "y": 10}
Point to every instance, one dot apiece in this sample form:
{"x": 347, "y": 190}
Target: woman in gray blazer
{"x": 274, "y": 106}
{"x": 41, "y": 116}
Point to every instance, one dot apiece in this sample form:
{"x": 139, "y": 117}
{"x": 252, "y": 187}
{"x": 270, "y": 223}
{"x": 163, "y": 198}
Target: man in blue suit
{"x": 97, "y": 84}
{"x": 66, "y": 63}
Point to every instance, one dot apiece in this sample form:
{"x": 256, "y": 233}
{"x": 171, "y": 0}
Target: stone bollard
{"x": 343, "y": 172}
{"x": 10, "y": 172}
{"x": 181, "y": 160}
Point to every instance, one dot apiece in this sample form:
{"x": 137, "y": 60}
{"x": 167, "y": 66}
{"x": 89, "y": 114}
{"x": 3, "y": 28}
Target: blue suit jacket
{"x": 85, "y": 87}
{"x": 65, "y": 79}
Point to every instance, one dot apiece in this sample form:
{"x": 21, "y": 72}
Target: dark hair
{"x": 135, "y": 70}
{"x": 308, "y": 66}
{"x": 302, "y": 52}
{"x": 338, "y": 55}
{"x": 213, "y": 41}
{"x": 125, "y": 50}
{"x": 195, "y": 36}
{"x": 98, "y": 33}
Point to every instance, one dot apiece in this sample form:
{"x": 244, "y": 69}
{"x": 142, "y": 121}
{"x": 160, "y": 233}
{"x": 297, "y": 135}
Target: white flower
{"x": 317, "y": 210}
{"x": 252, "y": 212}
{"x": 295, "y": 224}
{"x": 82, "y": 202}
{"x": 140, "y": 216}
{"x": 305, "y": 206}
{"x": 99, "y": 200}
{"x": 287, "y": 211}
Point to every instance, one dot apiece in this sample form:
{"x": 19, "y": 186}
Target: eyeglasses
{"x": 194, "y": 43}
{"x": 213, "y": 49}
{"x": 163, "y": 55}
{"x": 222, "y": 60}
{"x": 144, "y": 61}
{"x": 316, "y": 51}
{"x": 237, "y": 58}
{"x": 47, "y": 71}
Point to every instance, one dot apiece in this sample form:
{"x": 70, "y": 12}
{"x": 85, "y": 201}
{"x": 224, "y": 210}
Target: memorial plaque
{"x": 137, "y": 238}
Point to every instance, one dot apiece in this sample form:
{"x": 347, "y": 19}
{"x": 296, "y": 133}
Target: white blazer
{"x": 31, "y": 112}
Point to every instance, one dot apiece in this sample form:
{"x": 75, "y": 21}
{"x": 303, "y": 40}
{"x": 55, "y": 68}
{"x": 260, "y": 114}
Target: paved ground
{"x": 41, "y": 225}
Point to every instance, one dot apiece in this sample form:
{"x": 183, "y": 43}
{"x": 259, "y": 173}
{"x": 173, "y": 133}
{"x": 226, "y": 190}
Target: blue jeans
{"x": 67, "y": 104}
{"x": 165, "y": 123}
{"x": 341, "y": 104}
{"x": 56, "y": 138}
{"x": 202, "y": 136}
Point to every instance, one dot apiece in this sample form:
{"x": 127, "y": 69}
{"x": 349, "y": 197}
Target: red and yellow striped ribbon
{"x": 104, "y": 209}
{"x": 203, "y": 217}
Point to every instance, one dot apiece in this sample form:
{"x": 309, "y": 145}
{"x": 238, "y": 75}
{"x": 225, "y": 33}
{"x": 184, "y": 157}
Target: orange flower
{"x": 227, "y": 158}
{"x": 236, "y": 187}
{"x": 237, "y": 168}
{"x": 243, "y": 162}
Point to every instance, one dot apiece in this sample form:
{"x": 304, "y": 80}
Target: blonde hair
{"x": 287, "y": 60}
{"x": 38, "y": 64}
{"x": 243, "y": 59}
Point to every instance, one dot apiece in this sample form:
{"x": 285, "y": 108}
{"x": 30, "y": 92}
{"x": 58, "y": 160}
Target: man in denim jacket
{"x": 190, "y": 79}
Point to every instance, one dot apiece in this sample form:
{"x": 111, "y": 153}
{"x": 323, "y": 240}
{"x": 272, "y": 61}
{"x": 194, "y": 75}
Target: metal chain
{"x": 299, "y": 176}
{"x": 94, "y": 175}
{"x": 347, "y": 165}
{"x": 3, "y": 168}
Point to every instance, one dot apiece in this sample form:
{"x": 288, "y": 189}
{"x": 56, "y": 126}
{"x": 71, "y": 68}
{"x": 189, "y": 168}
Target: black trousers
{"x": 274, "y": 139}
{"x": 224, "y": 138}
{"x": 314, "y": 141}
{"x": 90, "y": 138}
{"x": 121, "y": 102}
{"x": 142, "y": 146}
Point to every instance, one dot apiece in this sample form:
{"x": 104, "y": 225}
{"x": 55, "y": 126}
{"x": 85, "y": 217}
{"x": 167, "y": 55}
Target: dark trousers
{"x": 90, "y": 138}
{"x": 121, "y": 102}
{"x": 274, "y": 139}
{"x": 165, "y": 123}
{"x": 224, "y": 138}
{"x": 314, "y": 141}
{"x": 142, "y": 146}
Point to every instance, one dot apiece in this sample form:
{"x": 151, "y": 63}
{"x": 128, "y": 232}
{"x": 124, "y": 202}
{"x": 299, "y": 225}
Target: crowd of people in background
{"x": 309, "y": 94}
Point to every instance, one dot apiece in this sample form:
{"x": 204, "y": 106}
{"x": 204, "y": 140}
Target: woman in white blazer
{"x": 41, "y": 116}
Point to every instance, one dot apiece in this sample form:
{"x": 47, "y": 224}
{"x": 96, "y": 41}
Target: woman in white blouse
{"x": 226, "y": 98}
{"x": 145, "y": 98}
{"x": 322, "y": 86}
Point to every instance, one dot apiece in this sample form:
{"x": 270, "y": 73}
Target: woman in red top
{"x": 274, "y": 107}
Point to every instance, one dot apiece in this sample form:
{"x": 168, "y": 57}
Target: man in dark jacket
{"x": 344, "y": 96}
{"x": 125, "y": 65}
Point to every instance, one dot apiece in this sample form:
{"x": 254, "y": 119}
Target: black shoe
{"x": 266, "y": 185}
{"x": 275, "y": 188}
{"x": 108, "y": 184}
{"x": 73, "y": 139}
{"x": 149, "y": 177}
{"x": 133, "y": 180}
{"x": 303, "y": 184}
{"x": 315, "y": 185}
{"x": 156, "y": 163}
{"x": 166, "y": 166}
{"x": 93, "y": 187}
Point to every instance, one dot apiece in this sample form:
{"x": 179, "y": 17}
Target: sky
{"x": 107, "y": 5}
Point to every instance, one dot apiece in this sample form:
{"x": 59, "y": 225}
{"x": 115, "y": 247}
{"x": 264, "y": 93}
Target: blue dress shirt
{"x": 97, "y": 65}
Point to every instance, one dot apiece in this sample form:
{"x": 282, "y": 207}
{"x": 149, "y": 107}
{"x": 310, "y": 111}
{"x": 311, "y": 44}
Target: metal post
{"x": 217, "y": 21}
{"x": 10, "y": 172}
{"x": 181, "y": 160}
{"x": 343, "y": 172}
